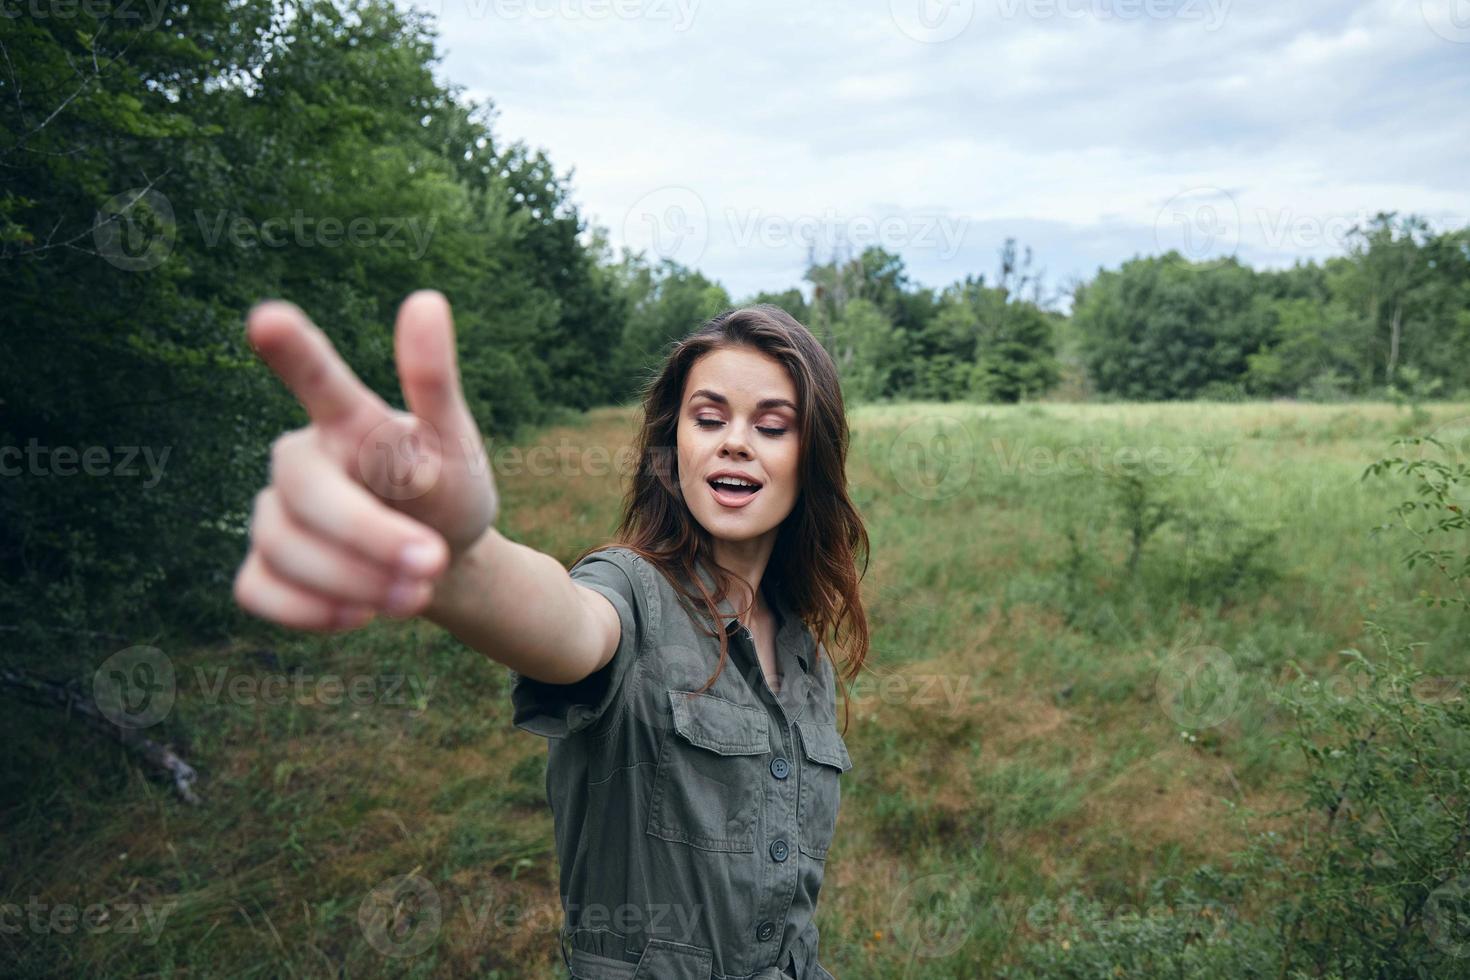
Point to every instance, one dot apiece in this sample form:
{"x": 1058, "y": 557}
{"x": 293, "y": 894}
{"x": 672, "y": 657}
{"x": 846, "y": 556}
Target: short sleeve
{"x": 559, "y": 710}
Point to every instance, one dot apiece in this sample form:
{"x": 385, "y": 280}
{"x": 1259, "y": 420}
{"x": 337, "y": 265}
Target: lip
{"x": 736, "y": 474}
{"x": 731, "y": 500}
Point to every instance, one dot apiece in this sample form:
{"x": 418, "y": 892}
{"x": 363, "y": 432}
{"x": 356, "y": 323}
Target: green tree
{"x": 865, "y": 347}
{"x": 1167, "y": 328}
{"x": 160, "y": 178}
{"x": 665, "y": 304}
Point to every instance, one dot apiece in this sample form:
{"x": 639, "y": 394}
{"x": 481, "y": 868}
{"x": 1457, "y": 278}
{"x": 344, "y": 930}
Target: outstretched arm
{"x": 372, "y": 510}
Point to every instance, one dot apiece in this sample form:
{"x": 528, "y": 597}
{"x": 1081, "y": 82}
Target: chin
{"x": 733, "y": 528}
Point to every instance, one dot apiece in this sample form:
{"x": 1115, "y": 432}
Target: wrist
{"x": 454, "y": 586}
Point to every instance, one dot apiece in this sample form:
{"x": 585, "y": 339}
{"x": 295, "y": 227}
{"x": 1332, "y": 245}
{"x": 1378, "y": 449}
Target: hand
{"x": 367, "y": 506}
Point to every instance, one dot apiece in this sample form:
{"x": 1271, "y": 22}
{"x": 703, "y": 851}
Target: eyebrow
{"x": 761, "y": 405}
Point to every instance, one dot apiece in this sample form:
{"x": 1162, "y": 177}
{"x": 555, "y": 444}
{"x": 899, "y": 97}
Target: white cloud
{"x": 1074, "y": 121}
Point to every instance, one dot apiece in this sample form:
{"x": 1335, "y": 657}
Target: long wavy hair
{"x": 814, "y": 561}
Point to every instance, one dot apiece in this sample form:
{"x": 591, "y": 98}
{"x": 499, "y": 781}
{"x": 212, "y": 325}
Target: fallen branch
{"x": 158, "y": 758}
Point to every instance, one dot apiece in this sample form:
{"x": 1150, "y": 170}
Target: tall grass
{"x": 1080, "y": 614}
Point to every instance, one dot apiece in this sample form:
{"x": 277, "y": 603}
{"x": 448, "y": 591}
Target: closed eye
{"x": 705, "y": 423}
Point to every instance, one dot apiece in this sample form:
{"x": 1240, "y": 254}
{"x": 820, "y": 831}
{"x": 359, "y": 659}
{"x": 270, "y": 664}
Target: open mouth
{"x": 733, "y": 493}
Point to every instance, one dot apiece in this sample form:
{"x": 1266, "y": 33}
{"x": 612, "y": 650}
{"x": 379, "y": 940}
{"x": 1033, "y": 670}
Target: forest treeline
{"x": 164, "y": 166}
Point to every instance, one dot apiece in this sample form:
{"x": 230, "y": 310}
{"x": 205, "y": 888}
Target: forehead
{"x": 741, "y": 375}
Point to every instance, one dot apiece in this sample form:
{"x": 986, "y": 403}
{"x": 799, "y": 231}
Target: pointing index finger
{"x": 302, "y": 356}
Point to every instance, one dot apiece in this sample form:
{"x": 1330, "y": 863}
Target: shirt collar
{"x": 790, "y": 632}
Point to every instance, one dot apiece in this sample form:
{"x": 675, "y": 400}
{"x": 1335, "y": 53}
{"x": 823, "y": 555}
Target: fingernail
{"x": 403, "y": 597}
{"x": 420, "y": 558}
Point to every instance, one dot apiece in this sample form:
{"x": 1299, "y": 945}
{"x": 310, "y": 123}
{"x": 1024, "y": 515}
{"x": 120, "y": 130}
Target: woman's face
{"x": 738, "y": 415}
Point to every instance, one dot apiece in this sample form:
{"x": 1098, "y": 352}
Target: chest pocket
{"x": 709, "y": 763}
{"x": 824, "y": 760}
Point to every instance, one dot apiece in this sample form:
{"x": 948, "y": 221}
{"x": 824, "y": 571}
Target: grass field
{"x": 1021, "y": 732}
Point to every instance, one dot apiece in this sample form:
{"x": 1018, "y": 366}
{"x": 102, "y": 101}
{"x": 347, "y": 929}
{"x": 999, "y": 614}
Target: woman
{"x": 680, "y": 674}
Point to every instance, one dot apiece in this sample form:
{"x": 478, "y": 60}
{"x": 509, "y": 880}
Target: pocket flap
{"x": 663, "y": 959}
{"x": 718, "y": 725}
{"x": 821, "y": 743}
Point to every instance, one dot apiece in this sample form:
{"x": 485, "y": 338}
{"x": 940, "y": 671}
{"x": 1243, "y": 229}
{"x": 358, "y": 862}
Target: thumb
{"x": 428, "y": 368}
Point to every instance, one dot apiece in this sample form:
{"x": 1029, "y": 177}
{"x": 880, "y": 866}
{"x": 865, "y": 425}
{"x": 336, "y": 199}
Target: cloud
{"x": 1078, "y": 123}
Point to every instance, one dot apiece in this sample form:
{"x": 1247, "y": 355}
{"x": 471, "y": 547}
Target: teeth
{"x": 734, "y": 482}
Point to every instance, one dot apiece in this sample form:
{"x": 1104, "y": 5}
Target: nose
{"x": 734, "y": 444}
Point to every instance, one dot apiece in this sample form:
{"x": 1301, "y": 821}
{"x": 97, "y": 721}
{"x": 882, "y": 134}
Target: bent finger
{"x": 311, "y": 562}
{"x": 262, "y": 593}
{"x": 325, "y": 500}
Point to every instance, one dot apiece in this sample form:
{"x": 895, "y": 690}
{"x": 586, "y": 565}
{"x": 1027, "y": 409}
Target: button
{"x": 780, "y": 768}
{"x": 765, "y": 931}
{"x": 778, "y": 850}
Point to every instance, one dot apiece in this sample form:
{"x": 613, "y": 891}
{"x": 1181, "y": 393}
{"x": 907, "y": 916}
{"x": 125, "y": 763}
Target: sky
{"x": 741, "y": 136}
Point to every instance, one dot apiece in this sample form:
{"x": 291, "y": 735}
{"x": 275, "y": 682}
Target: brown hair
{"x": 814, "y": 560}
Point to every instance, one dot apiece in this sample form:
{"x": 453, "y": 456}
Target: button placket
{"x": 781, "y": 820}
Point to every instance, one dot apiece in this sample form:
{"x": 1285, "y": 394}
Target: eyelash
{"x": 773, "y": 433}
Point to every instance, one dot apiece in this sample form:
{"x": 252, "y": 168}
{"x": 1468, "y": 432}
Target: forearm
{"x": 518, "y": 607}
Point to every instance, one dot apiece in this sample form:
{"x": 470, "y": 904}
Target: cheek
{"x": 786, "y": 471}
